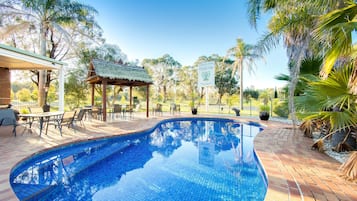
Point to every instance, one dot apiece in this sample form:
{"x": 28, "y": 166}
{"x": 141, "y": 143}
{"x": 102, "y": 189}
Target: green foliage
{"x": 24, "y": 111}
{"x": 164, "y": 72}
{"x": 75, "y": 88}
{"x": 24, "y": 95}
{"x": 251, "y": 93}
{"x": 309, "y": 69}
{"x": 52, "y": 94}
{"x": 264, "y": 96}
{"x": 34, "y": 94}
{"x": 331, "y": 100}
{"x": 232, "y": 100}
{"x": 17, "y": 85}
{"x": 264, "y": 108}
{"x": 281, "y": 109}
{"x": 225, "y": 82}
{"x": 339, "y": 25}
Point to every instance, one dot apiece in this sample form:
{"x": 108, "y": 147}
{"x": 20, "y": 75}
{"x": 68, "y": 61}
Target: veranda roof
{"x": 117, "y": 74}
{"x": 16, "y": 59}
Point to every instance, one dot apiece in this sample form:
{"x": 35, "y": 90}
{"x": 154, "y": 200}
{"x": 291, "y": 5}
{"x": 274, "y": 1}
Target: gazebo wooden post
{"x": 92, "y": 100}
{"x": 104, "y": 99}
{"x": 147, "y": 101}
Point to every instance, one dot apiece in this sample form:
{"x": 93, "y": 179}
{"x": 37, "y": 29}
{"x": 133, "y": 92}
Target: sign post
{"x": 206, "y": 77}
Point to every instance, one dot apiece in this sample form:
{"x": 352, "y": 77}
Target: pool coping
{"x": 294, "y": 171}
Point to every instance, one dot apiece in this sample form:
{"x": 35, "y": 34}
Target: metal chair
{"x": 79, "y": 117}
{"x": 117, "y": 109}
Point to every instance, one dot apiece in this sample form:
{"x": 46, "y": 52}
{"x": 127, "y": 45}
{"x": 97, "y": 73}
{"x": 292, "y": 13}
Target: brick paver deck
{"x": 295, "y": 172}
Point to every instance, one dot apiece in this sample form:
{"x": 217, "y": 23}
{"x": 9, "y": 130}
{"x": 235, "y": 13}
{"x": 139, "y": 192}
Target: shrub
{"x": 281, "y": 109}
{"x": 264, "y": 108}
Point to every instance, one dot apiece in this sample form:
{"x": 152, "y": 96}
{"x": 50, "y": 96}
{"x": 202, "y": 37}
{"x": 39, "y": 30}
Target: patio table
{"x": 43, "y": 117}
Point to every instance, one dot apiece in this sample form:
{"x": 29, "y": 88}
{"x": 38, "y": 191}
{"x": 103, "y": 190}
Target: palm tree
{"x": 57, "y": 23}
{"x": 335, "y": 29}
{"x": 293, "y": 21}
{"x": 331, "y": 23}
{"x": 244, "y": 56}
{"x": 309, "y": 66}
{"x": 331, "y": 100}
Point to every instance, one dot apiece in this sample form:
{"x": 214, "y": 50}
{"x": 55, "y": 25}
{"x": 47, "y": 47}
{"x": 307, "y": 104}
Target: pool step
{"x": 86, "y": 161}
{"x": 71, "y": 165}
{"x": 30, "y": 191}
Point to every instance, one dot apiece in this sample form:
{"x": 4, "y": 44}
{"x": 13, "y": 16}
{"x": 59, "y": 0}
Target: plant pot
{"x": 194, "y": 111}
{"x": 264, "y": 116}
{"x": 340, "y": 136}
{"x": 46, "y": 107}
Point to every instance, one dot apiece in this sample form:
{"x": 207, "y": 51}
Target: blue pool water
{"x": 179, "y": 159}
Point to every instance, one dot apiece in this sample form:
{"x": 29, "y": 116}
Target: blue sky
{"x": 186, "y": 29}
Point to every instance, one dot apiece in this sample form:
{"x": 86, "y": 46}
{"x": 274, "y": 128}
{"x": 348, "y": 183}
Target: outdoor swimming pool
{"x": 179, "y": 159}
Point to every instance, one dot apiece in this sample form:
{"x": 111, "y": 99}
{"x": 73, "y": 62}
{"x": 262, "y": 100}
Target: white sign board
{"x": 206, "y": 74}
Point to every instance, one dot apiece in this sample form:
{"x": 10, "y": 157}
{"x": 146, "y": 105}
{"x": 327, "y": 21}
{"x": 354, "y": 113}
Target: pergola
{"x": 108, "y": 73}
{"x": 16, "y": 59}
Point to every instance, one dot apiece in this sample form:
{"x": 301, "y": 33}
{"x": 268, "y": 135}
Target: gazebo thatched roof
{"x": 117, "y": 74}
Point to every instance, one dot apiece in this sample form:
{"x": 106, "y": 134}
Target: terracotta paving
{"x": 295, "y": 172}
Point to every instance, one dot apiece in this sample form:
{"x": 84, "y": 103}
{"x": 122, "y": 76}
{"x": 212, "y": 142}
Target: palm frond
{"x": 349, "y": 168}
{"x": 338, "y": 26}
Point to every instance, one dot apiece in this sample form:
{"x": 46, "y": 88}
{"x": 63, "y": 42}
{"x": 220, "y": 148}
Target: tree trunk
{"x": 165, "y": 93}
{"x": 42, "y": 73}
{"x": 294, "y": 74}
{"x": 296, "y": 53}
{"x": 241, "y": 85}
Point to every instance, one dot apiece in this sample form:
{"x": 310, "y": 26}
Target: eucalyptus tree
{"x": 225, "y": 83}
{"x": 188, "y": 76}
{"x": 244, "y": 56}
{"x": 58, "y": 24}
{"x": 163, "y": 73}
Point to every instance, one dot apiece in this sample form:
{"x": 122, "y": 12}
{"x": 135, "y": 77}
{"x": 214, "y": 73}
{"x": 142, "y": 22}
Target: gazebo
{"x": 109, "y": 73}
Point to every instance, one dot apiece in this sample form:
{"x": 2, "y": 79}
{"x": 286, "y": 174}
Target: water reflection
{"x": 80, "y": 172}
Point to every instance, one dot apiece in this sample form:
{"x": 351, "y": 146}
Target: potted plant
{"x": 193, "y": 107}
{"x": 264, "y": 112}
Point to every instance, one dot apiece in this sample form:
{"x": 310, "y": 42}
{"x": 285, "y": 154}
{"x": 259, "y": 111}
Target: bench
{"x": 8, "y": 118}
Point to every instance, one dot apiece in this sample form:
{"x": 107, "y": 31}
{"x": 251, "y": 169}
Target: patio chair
{"x": 79, "y": 117}
{"x": 131, "y": 110}
{"x": 96, "y": 113}
{"x": 174, "y": 108}
{"x": 8, "y": 118}
{"x": 55, "y": 120}
{"x": 117, "y": 109}
{"x": 158, "y": 109}
{"x": 68, "y": 118}
{"x": 35, "y": 109}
